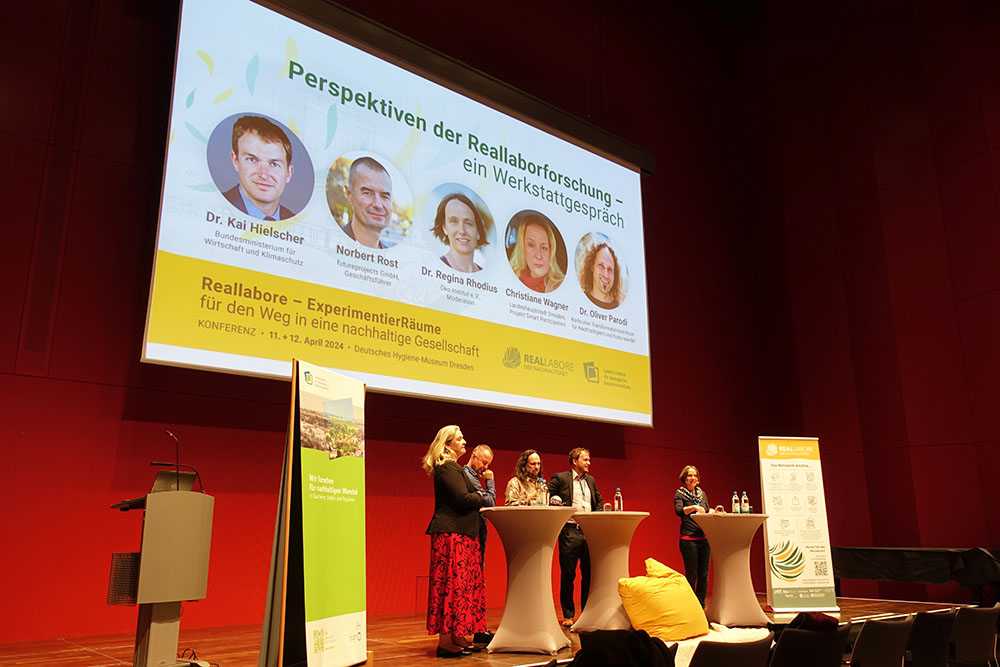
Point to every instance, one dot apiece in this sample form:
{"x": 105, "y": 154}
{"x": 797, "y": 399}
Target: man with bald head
{"x": 369, "y": 193}
{"x": 479, "y": 466}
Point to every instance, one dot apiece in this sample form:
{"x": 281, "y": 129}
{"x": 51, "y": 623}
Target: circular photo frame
{"x": 260, "y": 166}
{"x": 601, "y": 270}
{"x": 462, "y": 222}
{"x": 536, "y": 251}
{"x": 369, "y": 200}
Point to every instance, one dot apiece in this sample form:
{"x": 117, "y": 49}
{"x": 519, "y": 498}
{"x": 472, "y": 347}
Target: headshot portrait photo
{"x": 536, "y": 251}
{"x": 260, "y": 167}
{"x": 369, "y": 200}
{"x": 463, "y": 224}
{"x": 603, "y": 277}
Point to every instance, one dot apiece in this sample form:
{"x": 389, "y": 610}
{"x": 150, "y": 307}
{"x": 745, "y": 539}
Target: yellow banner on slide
{"x": 203, "y": 305}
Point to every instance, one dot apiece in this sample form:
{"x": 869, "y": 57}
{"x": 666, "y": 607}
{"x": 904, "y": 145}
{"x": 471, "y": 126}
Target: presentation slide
{"x": 322, "y": 203}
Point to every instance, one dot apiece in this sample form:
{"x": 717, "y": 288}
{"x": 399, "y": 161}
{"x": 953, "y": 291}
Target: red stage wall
{"x": 873, "y": 131}
{"x": 788, "y": 293}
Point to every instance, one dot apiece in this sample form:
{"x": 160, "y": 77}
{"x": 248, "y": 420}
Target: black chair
{"x": 930, "y": 638}
{"x": 735, "y": 654}
{"x": 975, "y": 636}
{"x": 810, "y": 648}
{"x": 602, "y": 648}
{"x": 881, "y": 643}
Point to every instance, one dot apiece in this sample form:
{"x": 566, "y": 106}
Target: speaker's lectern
{"x": 171, "y": 567}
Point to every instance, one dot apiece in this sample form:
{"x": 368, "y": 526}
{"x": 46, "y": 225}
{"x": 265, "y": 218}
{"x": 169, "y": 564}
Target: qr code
{"x": 821, "y": 568}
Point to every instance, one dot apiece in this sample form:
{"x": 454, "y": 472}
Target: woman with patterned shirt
{"x": 691, "y": 499}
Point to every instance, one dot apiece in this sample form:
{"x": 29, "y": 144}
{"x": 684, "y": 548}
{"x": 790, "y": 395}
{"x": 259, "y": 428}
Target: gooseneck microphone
{"x": 177, "y": 456}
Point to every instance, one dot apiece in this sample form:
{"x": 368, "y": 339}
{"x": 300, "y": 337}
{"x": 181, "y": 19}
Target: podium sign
{"x": 796, "y": 534}
{"x": 316, "y": 597}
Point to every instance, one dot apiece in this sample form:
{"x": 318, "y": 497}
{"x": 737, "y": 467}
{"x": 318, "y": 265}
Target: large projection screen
{"x": 322, "y": 203}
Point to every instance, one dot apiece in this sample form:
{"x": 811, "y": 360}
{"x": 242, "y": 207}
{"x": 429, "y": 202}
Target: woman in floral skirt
{"x": 456, "y": 600}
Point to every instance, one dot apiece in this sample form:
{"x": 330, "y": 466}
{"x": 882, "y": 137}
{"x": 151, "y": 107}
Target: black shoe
{"x": 483, "y": 637}
{"x": 445, "y": 653}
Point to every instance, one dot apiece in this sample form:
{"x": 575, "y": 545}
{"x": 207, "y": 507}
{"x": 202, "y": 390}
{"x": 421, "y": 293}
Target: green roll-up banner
{"x": 318, "y": 563}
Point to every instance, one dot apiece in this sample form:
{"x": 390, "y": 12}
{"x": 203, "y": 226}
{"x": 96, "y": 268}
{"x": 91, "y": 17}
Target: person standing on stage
{"x": 479, "y": 467}
{"x": 695, "y": 551}
{"x": 456, "y": 600}
{"x": 526, "y": 486}
{"x": 577, "y": 488}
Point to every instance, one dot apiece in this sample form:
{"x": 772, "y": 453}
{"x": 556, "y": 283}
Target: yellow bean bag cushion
{"x": 663, "y": 604}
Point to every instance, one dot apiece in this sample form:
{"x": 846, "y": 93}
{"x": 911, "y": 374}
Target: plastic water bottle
{"x": 745, "y": 504}
{"x": 618, "y": 500}
{"x": 542, "y": 496}
{"x": 736, "y": 503}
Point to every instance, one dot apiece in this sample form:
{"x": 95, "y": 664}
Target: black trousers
{"x": 696, "y": 555}
{"x": 573, "y": 550}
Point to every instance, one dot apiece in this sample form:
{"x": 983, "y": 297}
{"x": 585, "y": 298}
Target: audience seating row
{"x": 953, "y": 638}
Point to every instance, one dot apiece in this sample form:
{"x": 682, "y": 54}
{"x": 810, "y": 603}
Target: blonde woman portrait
{"x": 536, "y": 251}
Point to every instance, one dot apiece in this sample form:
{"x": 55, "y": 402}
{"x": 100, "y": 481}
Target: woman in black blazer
{"x": 456, "y": 600}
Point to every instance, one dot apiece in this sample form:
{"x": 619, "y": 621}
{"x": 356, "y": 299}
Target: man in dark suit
{"x": 577, "y": 488}
{"x": 262, "y": 158}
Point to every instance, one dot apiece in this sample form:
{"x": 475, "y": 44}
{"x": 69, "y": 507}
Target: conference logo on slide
{"x": 787, "y": 561}
{"x": 539, "y": 363}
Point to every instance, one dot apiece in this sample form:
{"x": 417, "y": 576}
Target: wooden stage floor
{"x": 395, "y": 640}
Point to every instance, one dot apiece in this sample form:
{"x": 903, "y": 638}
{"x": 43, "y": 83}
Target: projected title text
{"x": 540, "y": 176}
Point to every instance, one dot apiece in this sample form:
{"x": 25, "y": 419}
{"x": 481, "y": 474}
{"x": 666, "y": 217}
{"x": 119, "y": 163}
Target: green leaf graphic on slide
{"x": 253, "y": 67}
{"x": 331, "y": 124}
{"x": 195, "y": 133}
{"x": 787, "y": 561}
{"x": 205, "y": 187}
{"x": 449, "y": 152}
{"x": 207, "y": 59}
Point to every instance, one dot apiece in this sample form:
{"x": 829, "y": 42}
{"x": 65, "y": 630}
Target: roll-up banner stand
{"x": 796, "y": 534}
{"x": 316, "y": 606}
